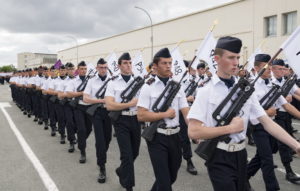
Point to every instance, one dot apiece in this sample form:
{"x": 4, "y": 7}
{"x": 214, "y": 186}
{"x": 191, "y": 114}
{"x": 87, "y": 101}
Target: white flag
{"x": 291, "y": 50}
{"x": 138, "y": 66}
{"x": 178, "y": 66}
{"x": 206, "y": 52}
{"x": 112, "y": 63}
{"x": 251, "y": 59}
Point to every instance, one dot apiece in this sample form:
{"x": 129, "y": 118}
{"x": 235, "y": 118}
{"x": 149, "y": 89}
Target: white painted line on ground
{"x": 48, "y": 182}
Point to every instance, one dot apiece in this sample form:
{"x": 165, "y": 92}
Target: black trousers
{"x": 184, "y": 139}
{"x": 284, "y": 120}
{"x": 61, "y": 120}
{"x": 166, "y": 156}
{"x": 70, "y": 123}
{"x": 103, "y": 132}
{"x": 83, "y": 124}
{"x": 128, "y": 133}
{"x": 44, "y": 108}
{"x": 263, "y": 158}
{"x": 52, "y": 115}
{"x": 227, "y": 170}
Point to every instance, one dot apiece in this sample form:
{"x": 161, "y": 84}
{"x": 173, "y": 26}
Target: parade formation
{"x": 220, "y": 107}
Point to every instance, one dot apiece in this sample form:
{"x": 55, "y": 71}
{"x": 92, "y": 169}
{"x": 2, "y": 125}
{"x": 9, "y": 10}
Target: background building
{"x": 30, "y": 60}
{"x": 254, "y": 21}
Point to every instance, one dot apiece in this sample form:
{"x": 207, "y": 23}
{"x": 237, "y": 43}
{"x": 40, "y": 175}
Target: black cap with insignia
{"x": 278, "y": 62}
{"x": 125, "y": 56}
{"x": 229, "y": 43}
{"x": 262, "y": 58}
{"x": 164, "y": 53}
{"x": 101, "y": 61}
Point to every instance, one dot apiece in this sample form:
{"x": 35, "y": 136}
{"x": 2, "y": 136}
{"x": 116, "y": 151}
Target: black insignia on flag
{"x": 140, "y": 67}
{"x": 178, "y": 70}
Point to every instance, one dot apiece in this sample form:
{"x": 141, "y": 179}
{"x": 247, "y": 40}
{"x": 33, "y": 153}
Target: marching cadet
{"x": 38, "y": 94}
{"x": 44, "y": 101}
{"x": 68, "y": 110}
{"x": 284, "y": 120}
{"x": 59, "y": 110}
{"x": 165, "y": 148}
{"x": 201, "y": 70}
{"x": 82, "y": 121}
{"x": 264, "y": 141}
{"x": 185, "y": 140}
{"x": 101, "y": 122}
{"x": 128, "y": 131}
{"x": 227, "y": 166}
{"x": 51, "y": 105}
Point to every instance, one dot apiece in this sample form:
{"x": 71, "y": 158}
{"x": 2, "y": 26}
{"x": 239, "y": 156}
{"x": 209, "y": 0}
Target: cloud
{"x": 42, "y": 26}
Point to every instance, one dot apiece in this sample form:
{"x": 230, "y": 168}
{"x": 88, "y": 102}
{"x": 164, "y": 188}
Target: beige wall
{"x": 242, "y": 18}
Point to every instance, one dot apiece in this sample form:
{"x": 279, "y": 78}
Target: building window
{"x": 271, "y": 26}
{"x": 289, "y": 22}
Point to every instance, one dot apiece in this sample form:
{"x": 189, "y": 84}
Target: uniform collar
{"x": 157, "y": 80}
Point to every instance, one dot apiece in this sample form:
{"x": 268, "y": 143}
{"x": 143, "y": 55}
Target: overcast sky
{"x": 44, "y": 25}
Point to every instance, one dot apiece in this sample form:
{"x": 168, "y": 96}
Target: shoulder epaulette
{"x": 150, "y": 81}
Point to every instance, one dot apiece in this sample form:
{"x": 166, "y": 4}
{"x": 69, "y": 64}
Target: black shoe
{"x": 118, "y": 171}
{"x": 292, "y": 177}
{"x": 25, "y": 113}
{"x": 71, "y": 148}
{"x": 46, "y": 127}
{"x": 191, "y": 168}
{"x": 40, "y": 122}
{"x": 35, "y": 119}
{"x": 248, "y": 186}
{"x": 28, "y": 115}
{"x": 129, "y": 189}
{"x": 62, "y": 139}
{"x": 82, "y": 157}
{"x": 53, "y": 133}
{"x": 102, "y": 175}
{"x": 275, "y": 166}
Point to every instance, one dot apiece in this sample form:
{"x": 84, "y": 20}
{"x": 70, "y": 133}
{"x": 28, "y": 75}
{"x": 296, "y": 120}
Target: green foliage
{"x": 8, "y": 68}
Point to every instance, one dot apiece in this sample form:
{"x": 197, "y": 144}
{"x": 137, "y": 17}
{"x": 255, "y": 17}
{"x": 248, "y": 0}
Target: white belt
{"x": 168, "y": 131}
{"x": 231, "y": 147}
{"x": 129, "y": 113}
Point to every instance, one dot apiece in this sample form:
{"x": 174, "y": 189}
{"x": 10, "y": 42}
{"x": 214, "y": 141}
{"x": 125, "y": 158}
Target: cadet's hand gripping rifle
{"x": 168, "y": 94}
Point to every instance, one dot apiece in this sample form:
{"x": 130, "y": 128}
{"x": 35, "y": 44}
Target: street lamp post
{"x": 150, "y": 26}
{"x": 75, "y": 39}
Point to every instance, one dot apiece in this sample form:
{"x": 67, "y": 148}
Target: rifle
{"x": 128, "y": 94}
{"x": 169, "y": 94}
{"x": 242, "y": 92}
{"x": 99, "y": 95}
{"x": 276, "y": 91}
{"x": 74, "y": 102}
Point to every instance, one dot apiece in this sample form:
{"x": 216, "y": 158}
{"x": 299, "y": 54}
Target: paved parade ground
{"x": 32, "y": 160}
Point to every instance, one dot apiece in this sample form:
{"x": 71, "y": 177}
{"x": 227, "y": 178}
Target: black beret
{"x": 69, "y": 65}
{"x": 201, "y": 65}
{"x": 278, "y": 62}
{"x": 287, "y": 66}
{"x": 229, "y": 43}
{"x": 164, "y": 53}
{"x": 186, "y": 63}
{"x": 29, "y": 70}
{"x": 35, "y": 69}
{"x": 125, "y": 56}
{"x": 52, "y": 68}
{"x": 45, "y": 68}
{"x": 262, "y": 58}
{"x": 101, "y": 61}
{"x": 62, "y": 67}
{"x": 82, "y": 63}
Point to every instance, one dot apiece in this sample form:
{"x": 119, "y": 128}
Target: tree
{"x": 8, "y": 68}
